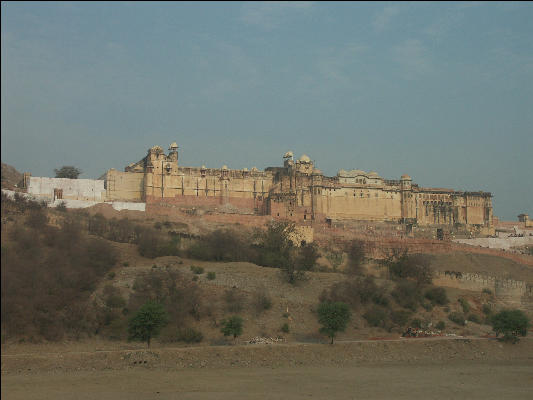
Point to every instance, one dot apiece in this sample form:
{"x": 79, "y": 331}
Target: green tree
{"x": 232, "y": 326}
{"x": 333, "y": 317}
{"x": 68, "y": 171}
{"x": 510, "y": 323}
{"x": 147, "y": 322}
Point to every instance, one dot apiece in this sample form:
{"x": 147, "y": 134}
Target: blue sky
{"x": 441, "y": 91}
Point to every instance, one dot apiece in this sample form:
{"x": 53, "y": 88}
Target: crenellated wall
{"x": 297, "y": 191}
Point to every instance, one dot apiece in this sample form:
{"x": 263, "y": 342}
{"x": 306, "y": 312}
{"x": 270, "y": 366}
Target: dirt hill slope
{"x": 10, "y": 177}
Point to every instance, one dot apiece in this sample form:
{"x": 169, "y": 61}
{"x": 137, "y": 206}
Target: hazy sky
{"x": 441, "y": 91}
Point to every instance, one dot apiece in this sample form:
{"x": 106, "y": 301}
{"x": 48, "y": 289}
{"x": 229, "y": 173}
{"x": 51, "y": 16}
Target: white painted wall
{"x": 498, "y": 243}
{"x": 73, "y": 189}
{"x": 69, "y": 203}
{"x": 122, "y": 205}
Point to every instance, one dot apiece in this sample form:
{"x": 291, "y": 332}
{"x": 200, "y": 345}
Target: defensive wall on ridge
{"x": 511, "y": 292}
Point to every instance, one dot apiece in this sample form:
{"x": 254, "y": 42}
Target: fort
{"x": 296, "y": 190}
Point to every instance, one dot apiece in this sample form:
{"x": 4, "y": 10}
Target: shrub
{"x": 474, "y": 318}
{"x": 376, "y": 316}
{"x": 457, "y": 317}
{"x": 197, "y": 270}
{"x": 221, "y": 245}
{"x": 487, "y": 309}
{"x": 37, "y": 219}
{"x": 333, "y": 317}
{"x": 61, "y": 206}
{"x": 400, "y": 317}
{"x": 195, "y": 278}
{"x": 510, "y": 323}
{"x": 427, "y": 306}
{"x": 189, "y": 335}
{"x": 285, "y": 327}
{"x": 113, "y": 298}
{"x": 354, "y": 292}
{"x": 111, "y": 275}
{"x": 261, "y": 301}
{"x": 307, "y": 256}
{"x": 437, "y": 295}
{"x": 464, "y": 304}
{"x": 487, "y": 291}
{"x": 211, "y": 275}
{"x": 356, "y": 257}
{"x": 416, "y": 323}
{"x": 440, "y": 325}
{"x": 407, "y": 294}
{"x": 234, "y": 300}
{"x": 416, "y": 266}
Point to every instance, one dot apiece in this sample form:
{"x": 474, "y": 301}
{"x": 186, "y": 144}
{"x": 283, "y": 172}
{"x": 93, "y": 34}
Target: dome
{"x": 157, "y": 149}
{"x": 373, "y": 174}
{"x": 254, "y": 169}
{"x": 406, "y": 177}
{"x": 341, "y": 172}
{"x": 245, "y": 169}
{"x": 305, "y": 158}
{"x": 288, "y": 154}
{"x": 173, "y": 145}
{"x": 203, "y": 167}
{"x": 224, "y": 167}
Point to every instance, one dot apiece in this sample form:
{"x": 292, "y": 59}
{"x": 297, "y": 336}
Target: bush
{"x": 113, "y": 298}
{"x": 197, "y": 270}
{"x": 189, "y": 335}
{"x": 211, "y": 276}
{"x": 400, "y": 317}
{"x": 407, "y": 294}
{"x": 487, "y": 309}
{"x": 457, "y": 317}
{"x": 285, "y": 328}
{"x": 234, "y": 300}
{"x": 416, "y": 323}
{"x": 440, "y": 325}
{"x": 416, "y": 266}
{"x": 261, "y": 301}
{"x": 376, "y": 316}
{"x": 487, "y": 291}
{"x": 333, "y": 317}
{"x": 437, "y": 295}
{"x": 510, "y": 323}
{"x": 354, "y": 292}
{"x": 474, "y": 318}
{"x": 61, "y": 206}
{"x": 356, "y": 257}
{"x": 37, "y": 219}
{"x": 464, "y": 304}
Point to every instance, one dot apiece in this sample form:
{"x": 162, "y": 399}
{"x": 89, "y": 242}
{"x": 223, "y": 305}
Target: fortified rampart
{"x": 511, "y": 292}
{"x": 297, "y": 191}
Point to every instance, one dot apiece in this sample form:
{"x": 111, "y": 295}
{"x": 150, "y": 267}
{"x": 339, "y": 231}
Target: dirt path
{"x": 429, "y": 380}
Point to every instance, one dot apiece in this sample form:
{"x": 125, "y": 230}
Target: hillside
{"x": 10, "y": 177}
